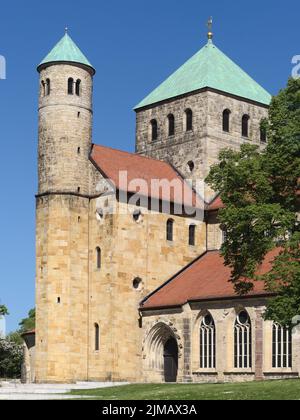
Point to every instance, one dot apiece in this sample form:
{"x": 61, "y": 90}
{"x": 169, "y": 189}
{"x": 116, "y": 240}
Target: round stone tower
{"x": 62, "y": 214}
{"x": 65, "y": 120}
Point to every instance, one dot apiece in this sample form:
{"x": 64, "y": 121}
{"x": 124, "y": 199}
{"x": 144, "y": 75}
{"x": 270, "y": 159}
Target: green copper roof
{"x": 209, "y": 68}
{"x": 66, "y": 50}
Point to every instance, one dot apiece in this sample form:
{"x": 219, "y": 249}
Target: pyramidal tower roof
{"x": 66, "y": 51}
{"x": 208, "y": 68}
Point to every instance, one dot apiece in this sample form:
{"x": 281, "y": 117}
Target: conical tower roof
{"x": 66, "y": 51}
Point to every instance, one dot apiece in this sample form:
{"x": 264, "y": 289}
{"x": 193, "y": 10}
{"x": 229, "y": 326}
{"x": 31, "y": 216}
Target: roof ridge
{"x": 136, "y": 155}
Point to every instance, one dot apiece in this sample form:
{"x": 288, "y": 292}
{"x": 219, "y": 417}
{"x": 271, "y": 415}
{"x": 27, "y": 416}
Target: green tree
{"x": 261, "y": 195}
{"x": 3, "y": 310}
{"x": 28, "y": 323}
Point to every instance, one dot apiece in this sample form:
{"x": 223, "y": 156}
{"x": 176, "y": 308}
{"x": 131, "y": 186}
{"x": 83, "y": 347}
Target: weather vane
{"x": 209, "y": 25}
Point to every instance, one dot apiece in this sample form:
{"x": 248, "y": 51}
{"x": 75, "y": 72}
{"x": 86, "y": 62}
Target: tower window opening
{"x": 137, "y": 283}
{"x": 245, "y": 126}
{"x": 58, "y": 300}
{"x": 154, "y": 130}
{"x": 170, "y": 230}
{"x": 78, "y": 114}
{"x": 171, "y": 125}
{"x": 226, "y": 120}
{"x": 78, "y": 87}
{"x": 192, "y": 235}
{"x": 78, "y": 190}
{"x": 191, "y": 166}
{"x": 48, "y": 87}
{"x": 98, "y": 258}
{"x": 71, "y": 86}
{"x": 43, "y": 86}
{"x": 97, "y": 337}
{"x": 78, "y": 151}
{"x": 189, "y": 120}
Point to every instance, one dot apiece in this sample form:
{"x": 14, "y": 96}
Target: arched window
{"x": 171, "y": 125}
{"x": 242, "y": 341}
{"x": 226, "y": 120}
{"x": 97, "y": 337}
{"x": 43, "y": 87}
{"x": 98, "y": 258}
{"x": 78, "y": 87}
{"x": 208, "y": 343}
{"x": 189, "y": 120}
{"x": 192, "y": 235}
{"x": 71, "y": 86}
{"x": 245, "y": 126}
{"x": 170, "y": 230}
{"x": 48, "y": 87}
{"x": 282, "y": 347}
{"x": 154, "y": 130}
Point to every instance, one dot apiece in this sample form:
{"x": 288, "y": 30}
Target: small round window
{"x": 208, "y": 321}
{"x": 137, "y": 283}
{"x": 243, "y": 318}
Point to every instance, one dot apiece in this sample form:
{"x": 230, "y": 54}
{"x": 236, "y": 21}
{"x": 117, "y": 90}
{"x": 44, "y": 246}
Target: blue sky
{"x": 134, "y": 45}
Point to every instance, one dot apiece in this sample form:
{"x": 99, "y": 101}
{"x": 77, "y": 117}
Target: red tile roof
{"x": 216, "y": 204}
{"x": 205, "y": 279}
{"x": 111, "y": 162}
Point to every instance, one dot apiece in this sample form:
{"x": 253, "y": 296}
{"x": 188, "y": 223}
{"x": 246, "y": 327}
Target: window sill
{"x": 240, "y": 372}
{"x": 205, "y": 372}
{"x": 283, "y": 371}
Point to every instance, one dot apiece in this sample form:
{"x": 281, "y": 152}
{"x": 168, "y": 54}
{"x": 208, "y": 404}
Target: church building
{"x": 130, "y": 283}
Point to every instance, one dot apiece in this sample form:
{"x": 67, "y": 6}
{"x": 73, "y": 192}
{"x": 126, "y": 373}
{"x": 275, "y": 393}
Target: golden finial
{"x": 210, "y": 34}
{"x": 66, "y": 30}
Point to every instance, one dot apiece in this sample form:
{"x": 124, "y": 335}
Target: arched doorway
{"x": 171, "y": 360}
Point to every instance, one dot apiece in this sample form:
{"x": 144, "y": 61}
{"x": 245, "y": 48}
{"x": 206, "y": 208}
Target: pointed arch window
{"x": 242, "y": 341}
{"x": 171, "y": 125}
{"x": 226, "y": 120}
{"x": 154, "y": 130}
{"x": 48, "y": 87}
{"x": 208, "y": 343}
{"x": 192, "y": 235}
{"x": 281, "y": 347}
{"x": 245, "y": 125}
{"x": 98, "y": 258}
{"x": 170, "y": 230}
{"x": 97, "y": 337}
{"x": 78, "y": 87}
{"x": 71, "y": 86}
{"x": 189, "y": 120}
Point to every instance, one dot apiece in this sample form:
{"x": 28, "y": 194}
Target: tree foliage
{"x": 11, "y": 357}
{"x": 260, "y": 191}
{"x": 3, "y": 310}
{"x": 27, "y": 324}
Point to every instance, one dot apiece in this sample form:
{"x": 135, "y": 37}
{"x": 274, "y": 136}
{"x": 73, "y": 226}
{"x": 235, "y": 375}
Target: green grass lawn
{"x": 271, "y": 390}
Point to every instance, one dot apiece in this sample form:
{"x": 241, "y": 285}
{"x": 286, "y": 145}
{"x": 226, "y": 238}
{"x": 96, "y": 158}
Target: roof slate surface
{"x": 67, "y": 51}
{"x": 209, "y": 68}
{"x": 205, "y": 279}
{"x": 111, "y": 162}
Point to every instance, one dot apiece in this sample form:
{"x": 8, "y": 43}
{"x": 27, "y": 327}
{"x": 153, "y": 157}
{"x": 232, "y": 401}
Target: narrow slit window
{"x": 154, "y": 130}
{"x": 98, "y": 258}
{"x": 245, "y": 126}
{"x": 171, "y": 125}
{"x": 226, "y": 121}
{"x": 170, "y": 230}
{"x": 192, "y": 235}
{"x": 97, "y": 337}
{"x": 189, "y": 120}
{"x": 78, "y": 87}
{"x": 71, "y": 86}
